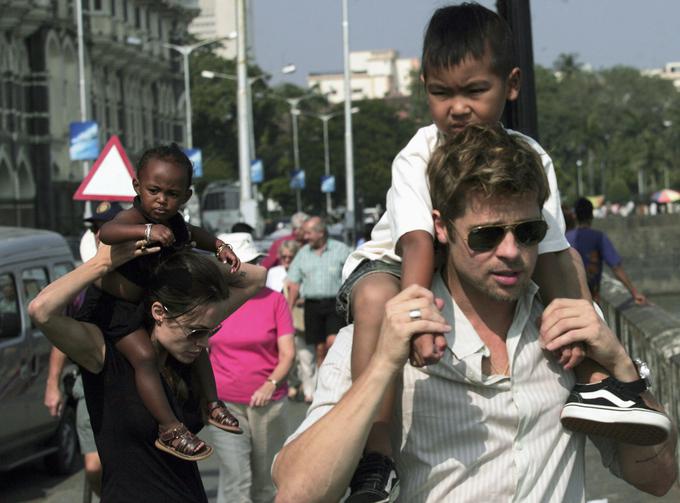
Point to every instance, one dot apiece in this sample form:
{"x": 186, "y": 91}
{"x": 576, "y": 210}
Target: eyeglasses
{"x": 487, "y": 237}
{"x": 195, "y": 333}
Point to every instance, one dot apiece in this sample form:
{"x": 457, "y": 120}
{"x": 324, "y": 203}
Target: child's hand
{"x": 427, "y": 349}
{"x": 227, "y": 256}
{"x": 570, "y": 356}
{"x": 161, "y": 234}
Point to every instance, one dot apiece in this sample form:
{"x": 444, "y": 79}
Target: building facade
{"x": 134, "y": 89}
{"x": 217, "y": 19}
{"x": 670, "y": 71}
{"x": 374, "y": 75}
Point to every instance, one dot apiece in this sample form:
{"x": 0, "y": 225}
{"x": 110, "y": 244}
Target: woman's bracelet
{"x": 222, "y": 247}
{"x": 147, "y": 232}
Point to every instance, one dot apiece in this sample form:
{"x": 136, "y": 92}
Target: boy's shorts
{"x": 115, "y": 317}
{"x": 344, "y": 299}
{"x": 83, "y": 426}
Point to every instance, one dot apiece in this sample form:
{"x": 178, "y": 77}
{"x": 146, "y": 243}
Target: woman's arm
{"x": 244, "y": 283}
{"x": 286, "y": 347}
{"x": 82, "y": 342}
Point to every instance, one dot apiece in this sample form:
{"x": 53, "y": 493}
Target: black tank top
{"x": 124, "y": 430}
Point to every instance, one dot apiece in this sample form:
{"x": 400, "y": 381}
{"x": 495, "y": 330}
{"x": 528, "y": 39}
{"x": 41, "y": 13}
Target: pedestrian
{"x": 469, "y": 73}
{"x": 317, "y": 268}
{"x": 297, "y": 234}
{"x": 187, "y": 296}
{"x": 482, "y": 424}
{"x": 276, "y": 276}
{"x": 595, "y": 248}
{"x": 54, "y": 398}
{"x": 251, "y": 355}
{"x": 162, "y": 185}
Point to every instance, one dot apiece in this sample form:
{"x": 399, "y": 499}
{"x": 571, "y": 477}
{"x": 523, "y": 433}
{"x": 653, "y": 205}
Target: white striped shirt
{"x": 465, "y": 437}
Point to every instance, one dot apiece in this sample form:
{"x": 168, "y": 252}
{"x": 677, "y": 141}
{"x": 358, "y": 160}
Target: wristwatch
{"x": 644, "y": 372}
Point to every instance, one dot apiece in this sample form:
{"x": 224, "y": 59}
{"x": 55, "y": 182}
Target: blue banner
{"x": 328, "y": 184}
{"x": 297, "y": 179}
{"x": 196, "y": 157}
{"x": 256, "y": 171}
{"x": 83, "y": 141}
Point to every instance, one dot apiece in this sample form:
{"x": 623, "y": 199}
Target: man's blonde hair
{"x": 485, "y": 160}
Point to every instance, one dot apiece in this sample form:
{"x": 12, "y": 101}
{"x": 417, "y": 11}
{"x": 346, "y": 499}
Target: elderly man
{"x": 297, "y": 234}
{"x": 318, "y": 268}
{"x": 484, "y": 423}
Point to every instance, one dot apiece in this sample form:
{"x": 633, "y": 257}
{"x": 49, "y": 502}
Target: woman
{"x": 251, "y": 356}
{"x": 189, "y": 297}
{"x": 276, "y": 276}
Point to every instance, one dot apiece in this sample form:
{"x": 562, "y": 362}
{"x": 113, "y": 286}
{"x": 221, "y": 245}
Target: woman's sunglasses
{"x": 487, "y": 237}
{"x": 195, "y": 333}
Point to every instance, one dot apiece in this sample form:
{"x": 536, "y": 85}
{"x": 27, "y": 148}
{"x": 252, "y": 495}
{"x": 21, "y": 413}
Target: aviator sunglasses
{"x": 194, "y": 333}
{"x": 487, "y": 237}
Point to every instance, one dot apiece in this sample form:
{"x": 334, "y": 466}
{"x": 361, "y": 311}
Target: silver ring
{"x": 415, "y": 314}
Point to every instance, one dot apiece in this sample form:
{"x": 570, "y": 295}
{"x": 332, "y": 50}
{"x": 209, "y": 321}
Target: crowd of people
{"x": 428, "y": 376}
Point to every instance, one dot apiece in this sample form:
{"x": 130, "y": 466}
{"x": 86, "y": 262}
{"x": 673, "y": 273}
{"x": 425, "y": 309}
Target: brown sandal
{"x": 181, "y": 443}
{"x": 220, "y": 417}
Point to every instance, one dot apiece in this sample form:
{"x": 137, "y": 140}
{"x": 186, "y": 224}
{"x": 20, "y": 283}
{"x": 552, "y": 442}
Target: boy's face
{"x": 469, "y": 93}
{"x": 162, "y": 188}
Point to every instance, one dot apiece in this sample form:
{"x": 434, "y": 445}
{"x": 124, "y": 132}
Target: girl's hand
{"x": 227, "y": 256}
{"x": 161, "y": 234}
{"x": 262, "y": 395}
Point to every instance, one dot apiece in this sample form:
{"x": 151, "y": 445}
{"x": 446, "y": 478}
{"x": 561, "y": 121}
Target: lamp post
{"x": 579, "y": 178}
{"x": 327, "y": 161}
{"x": 349, "y": 152}
{"x": 293, "y": 103}
{"x": 185, "y": 51}
{"x": 81, "y": 89}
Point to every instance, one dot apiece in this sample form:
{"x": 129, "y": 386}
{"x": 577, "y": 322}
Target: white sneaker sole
{"x": 632, "y": 426}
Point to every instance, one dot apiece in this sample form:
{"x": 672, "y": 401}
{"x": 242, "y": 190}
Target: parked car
{"x": 29, "y": 260}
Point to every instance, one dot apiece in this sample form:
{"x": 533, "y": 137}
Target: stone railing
{"x": 648, "y": 333}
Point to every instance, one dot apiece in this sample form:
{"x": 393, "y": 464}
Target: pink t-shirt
{"x": 244, "y": 351}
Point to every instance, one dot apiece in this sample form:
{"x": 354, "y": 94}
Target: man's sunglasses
{"x": 195, "y": 333}
{"x": 487, "y": 237}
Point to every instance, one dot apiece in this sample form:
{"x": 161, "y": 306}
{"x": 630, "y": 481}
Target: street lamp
{"x": 349, "y": 151}
{"x": 327, "y": 161}
{"x": 185, "y": 51}
{"x": 294, "y": 113}
{"x": 579, "y": 178}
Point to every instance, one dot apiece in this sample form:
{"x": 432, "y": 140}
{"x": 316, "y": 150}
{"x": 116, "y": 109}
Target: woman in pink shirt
{"x": 251, "y": 356}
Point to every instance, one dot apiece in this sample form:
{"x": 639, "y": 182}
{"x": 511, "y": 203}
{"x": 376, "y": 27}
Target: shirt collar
{"x": 469, "y": 342}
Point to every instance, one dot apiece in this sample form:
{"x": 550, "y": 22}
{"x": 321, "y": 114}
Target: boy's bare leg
{"x": 369, "y": 297}
{"x": 137, "y": 349}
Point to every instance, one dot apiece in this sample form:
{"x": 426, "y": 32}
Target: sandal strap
{"x": 219, "y": 412}
{"x": 187, "y": 442}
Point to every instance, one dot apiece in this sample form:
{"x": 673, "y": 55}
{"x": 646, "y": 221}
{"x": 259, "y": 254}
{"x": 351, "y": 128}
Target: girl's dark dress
{"x": 124, "y": 430}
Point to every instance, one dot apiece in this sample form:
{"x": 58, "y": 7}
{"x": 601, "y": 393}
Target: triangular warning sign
{"x": 110, "y": 178}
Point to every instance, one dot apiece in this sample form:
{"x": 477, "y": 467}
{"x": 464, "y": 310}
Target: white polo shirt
{"x": 409, "y": 207}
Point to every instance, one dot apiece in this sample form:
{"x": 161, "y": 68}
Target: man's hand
{"x": 398, "y": 327}
{"x": 569, "y": 321}
{"x": 54, "y": 398}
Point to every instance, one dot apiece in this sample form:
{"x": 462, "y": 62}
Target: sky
{"x": 604, "y": 33}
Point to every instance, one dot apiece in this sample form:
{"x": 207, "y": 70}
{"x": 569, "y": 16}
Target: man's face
{"x": 469, "y": 93}
{"x": 500, "y": 274}
{"x": 299, "y": 233}
{"x": 313, "y": 237}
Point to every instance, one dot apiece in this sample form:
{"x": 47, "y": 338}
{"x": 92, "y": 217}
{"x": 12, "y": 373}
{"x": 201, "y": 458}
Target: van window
{"x": 34, "y": 280}
{"x": 10, "y": 320}
{"x": 60, "y": 269}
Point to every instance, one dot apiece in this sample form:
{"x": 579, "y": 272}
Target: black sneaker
{"x": 375, "y": 480}
{"x": 614, "y": 409}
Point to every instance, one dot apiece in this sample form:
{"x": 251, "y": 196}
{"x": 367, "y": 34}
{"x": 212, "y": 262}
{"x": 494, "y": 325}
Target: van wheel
{"x": 66, "y": 460}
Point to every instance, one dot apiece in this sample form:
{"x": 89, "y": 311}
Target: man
{"x": 297, "y": 234}
{"x": 484, "y": 423}
{"x": 594, "y": 247}
{"x": 54, "y": 399}
{"x": 318, "y": 268}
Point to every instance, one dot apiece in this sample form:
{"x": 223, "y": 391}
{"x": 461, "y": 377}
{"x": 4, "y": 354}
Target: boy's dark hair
{"x": 185, "y": 281}
{"x": 460, "y": 31}
{"x": 167, "y": 153}
{"x": 584, "y": 210}
{"x": 487, "y": 160}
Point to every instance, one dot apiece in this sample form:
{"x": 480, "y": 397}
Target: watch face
{"x": 643, "y": 369}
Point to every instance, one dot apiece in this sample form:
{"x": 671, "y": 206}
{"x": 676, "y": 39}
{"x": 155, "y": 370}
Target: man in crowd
{"x": 297, "y": 234}
{"x": 594, "y": 247}
{"x": 318, "y": 268}
{"x": 484, "y": 423}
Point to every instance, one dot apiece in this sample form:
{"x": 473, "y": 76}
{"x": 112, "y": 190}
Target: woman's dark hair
{"x": 184, "y": 281}
{"x": 467, "y": 30}
{"x": 168, "y": 153}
